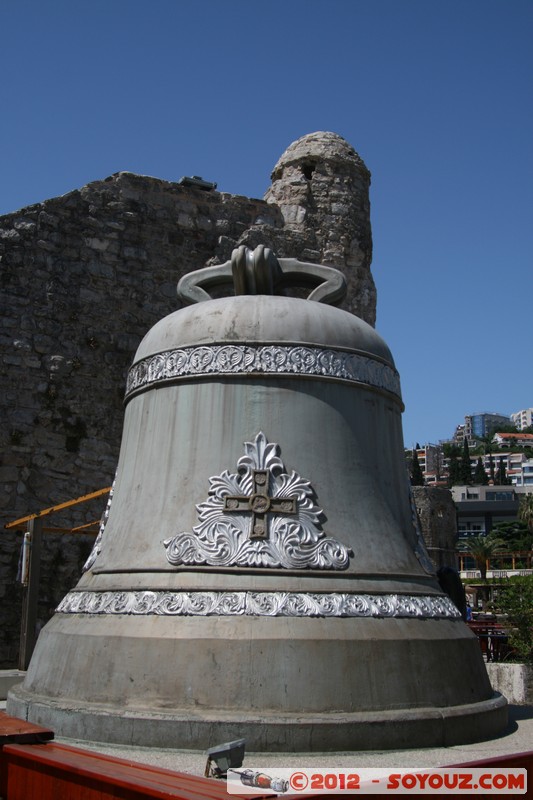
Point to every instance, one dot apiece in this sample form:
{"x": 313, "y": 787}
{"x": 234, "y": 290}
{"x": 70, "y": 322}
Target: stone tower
{"x": 437, "y": 514}
{"x": 321, "y": 186}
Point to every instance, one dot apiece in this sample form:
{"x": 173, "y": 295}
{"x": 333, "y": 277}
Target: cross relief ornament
{"x": 260, "y": 504}
{"x": 260, "y": 516}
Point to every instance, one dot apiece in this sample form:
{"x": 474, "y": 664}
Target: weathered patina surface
{"x": 261, "y": 572}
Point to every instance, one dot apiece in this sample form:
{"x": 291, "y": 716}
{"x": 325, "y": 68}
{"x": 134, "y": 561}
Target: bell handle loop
{"x": 330, "y": 283}
{"x": 260, "y": 272}
{"x": 192, "y": 287}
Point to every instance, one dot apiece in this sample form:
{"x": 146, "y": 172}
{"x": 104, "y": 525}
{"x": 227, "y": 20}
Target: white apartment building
{"x": 518, "y": 467}
{"x": 525, "y": 476}
{"x": 431, "y": 460}
{"x": 522, "y": 419}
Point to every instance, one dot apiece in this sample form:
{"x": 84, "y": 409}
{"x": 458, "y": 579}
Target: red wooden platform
{"x": 34, "y": 767}
{"x": 19, "y": 731}
{"x": 60, "y": 772}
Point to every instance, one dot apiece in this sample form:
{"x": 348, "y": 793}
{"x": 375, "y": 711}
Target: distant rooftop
{"x": 514, "y": 435}
{"x": 487, "y": 413}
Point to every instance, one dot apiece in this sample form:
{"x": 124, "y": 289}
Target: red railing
{"x": 37, "y": 771}
{"x": 493, "y": 640}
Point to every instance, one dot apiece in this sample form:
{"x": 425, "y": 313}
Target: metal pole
{"x": 30, "y": 599}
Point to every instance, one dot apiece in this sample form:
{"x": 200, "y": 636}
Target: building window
{"x": 496, "y": 496}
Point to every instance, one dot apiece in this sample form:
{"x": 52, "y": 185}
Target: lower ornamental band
{"x": 259, "y": 604}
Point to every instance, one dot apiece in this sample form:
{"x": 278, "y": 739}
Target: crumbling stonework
{"x": 321, "y": 186}
{"x": 437, "y": 515}
{"x": 84, "y": 276}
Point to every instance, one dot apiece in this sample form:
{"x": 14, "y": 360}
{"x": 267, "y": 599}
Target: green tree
{"x": 515, "y": 534}
{"x": 481, "y": 549}
{"x": 516, "y": 601}
{"x": 525, "y": 511}
{"x": 491, "y": 469}
{"x": 480, "y": 476}
{"x": 501, "y": 478}
{"x": 485, "y": 444}
{"x": 454, "y": 476}
{"x": 417, "y": 477}
{"x": 450, "y": 449}
{"x": 510, "y": 428}
{"x": 465, "y": 468}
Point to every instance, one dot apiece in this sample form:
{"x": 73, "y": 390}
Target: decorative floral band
{"x": 259, "y": 604}
{"x": 240, "y": 359}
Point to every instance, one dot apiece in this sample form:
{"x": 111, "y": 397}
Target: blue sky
{"x": 435, "y": 95}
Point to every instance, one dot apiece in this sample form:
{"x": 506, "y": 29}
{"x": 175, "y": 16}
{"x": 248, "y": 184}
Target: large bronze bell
{"x": 261, "y": 573}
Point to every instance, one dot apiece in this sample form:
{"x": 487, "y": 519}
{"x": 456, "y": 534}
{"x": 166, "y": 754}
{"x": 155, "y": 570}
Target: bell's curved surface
{"x": 261, "y": 573}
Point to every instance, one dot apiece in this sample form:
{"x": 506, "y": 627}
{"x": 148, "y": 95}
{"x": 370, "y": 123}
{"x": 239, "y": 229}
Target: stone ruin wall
{"x": 82, "y": 279}
{"x": 438, "y": 520}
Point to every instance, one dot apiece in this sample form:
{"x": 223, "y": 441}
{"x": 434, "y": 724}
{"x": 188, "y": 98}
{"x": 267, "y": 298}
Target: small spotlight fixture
{"x": 223, "y": 757}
